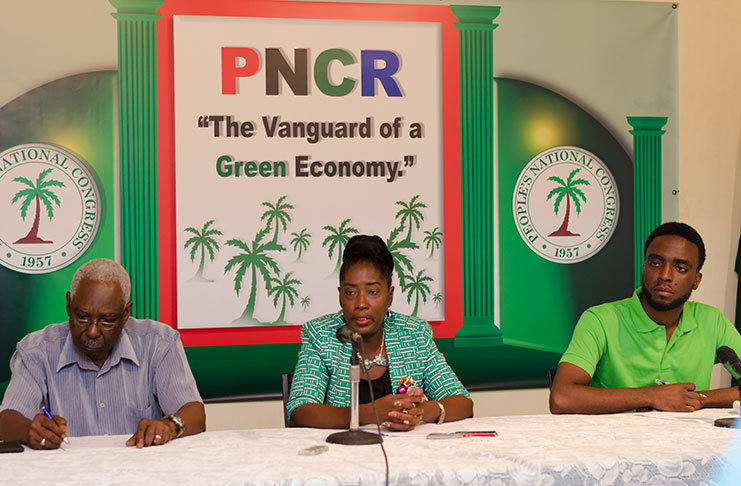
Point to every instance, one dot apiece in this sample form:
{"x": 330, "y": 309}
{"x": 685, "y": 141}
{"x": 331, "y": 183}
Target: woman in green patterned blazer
{"x": 399, "y": 348}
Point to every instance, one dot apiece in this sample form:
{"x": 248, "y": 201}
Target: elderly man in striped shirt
{"x": 102, "y": 372}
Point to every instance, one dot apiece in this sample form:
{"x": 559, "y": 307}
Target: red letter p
{"x": 229, "y": 70}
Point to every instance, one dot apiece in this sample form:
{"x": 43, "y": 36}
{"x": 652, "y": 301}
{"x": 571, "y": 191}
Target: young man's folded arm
{"x": 571, "y": 393}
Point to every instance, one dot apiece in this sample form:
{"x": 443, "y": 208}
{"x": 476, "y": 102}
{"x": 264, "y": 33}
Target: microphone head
{"x": 728, "y": 357}
{"x": 347, "y": 334}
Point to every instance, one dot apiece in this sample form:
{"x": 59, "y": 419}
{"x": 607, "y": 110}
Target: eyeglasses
{"x": 106, "y": 323}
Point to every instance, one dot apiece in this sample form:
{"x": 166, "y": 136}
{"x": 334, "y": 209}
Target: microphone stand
{"x": 354, "y": 436}
{"x": 730, "y": 422}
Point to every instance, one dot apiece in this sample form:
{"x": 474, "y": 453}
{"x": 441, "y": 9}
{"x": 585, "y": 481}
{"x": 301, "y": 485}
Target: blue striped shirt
{"x": 145, "y": 376}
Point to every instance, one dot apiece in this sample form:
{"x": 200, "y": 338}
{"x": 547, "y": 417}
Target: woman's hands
{"x": 400, "y": 412}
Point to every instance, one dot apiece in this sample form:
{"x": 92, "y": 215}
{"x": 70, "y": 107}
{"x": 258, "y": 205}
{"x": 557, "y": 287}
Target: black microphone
{"x": 347, "y": 334}
{"x": 728, "y": 357}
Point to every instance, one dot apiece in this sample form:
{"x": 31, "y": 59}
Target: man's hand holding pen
{"x": 46, "y": 433}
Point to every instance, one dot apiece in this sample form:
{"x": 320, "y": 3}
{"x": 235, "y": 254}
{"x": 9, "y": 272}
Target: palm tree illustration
{"x": 568, "y": 190}
{"x": 305, "y": 302}
{"x": 38, "y": 192}
{"x": 410, "y": 213}
{"x": 433, "y": 240}
{"x": 283, "y": 289}
{"x": 337, "y": 239}
{"x": 417, "y": 286}
{"x": 278, "y": 214}
{"x": 203, "y": 241}
{"x": 300, "y": 241}
{"x": 437, "y": 298}
{"x": 255, "y": 258}
{"x": 402, "y": 263}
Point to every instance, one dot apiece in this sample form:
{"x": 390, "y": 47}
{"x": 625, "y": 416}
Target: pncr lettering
{"x": 244, "y": 62}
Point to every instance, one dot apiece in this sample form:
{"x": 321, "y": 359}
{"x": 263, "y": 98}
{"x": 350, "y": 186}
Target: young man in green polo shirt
{"x": 654, "y": 349}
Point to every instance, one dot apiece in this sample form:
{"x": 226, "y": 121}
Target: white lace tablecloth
{"x": 644, "y": 448}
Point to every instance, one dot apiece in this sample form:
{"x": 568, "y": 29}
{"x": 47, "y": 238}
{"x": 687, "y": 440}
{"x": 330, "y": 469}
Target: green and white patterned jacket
{"x": 321, "y": 374}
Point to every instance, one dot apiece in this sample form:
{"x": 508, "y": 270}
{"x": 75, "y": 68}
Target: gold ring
{"x": 43, "y": 441}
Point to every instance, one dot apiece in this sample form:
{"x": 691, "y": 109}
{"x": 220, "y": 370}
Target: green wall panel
{"x": 77, "y": 114}
{"x": 540, "y": 301}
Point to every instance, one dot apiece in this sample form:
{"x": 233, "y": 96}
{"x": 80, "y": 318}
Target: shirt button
{"x": 102, "y": 405}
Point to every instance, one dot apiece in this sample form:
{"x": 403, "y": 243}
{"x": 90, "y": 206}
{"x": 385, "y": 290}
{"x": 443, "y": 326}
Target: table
{"x": 632, "y": 448}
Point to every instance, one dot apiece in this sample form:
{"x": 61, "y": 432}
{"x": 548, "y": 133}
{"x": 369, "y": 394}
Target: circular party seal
{"x": 566, "y": 204}
{"x": 50, "y": 205}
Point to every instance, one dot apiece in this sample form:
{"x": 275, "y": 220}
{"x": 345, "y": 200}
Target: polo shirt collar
{"x": 122, "y": 350}
{"x": 643, "y": 323}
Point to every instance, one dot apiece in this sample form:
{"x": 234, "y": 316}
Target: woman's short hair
{"x": 102, "y": 270}
{"x": 370, "y": 249}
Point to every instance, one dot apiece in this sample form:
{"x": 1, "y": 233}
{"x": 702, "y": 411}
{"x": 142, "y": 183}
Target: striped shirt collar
{"x": 122, "y": 350}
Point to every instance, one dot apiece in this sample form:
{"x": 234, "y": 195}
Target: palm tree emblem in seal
{"x": 570, "y": 191}
{"x": 39, "y": 192}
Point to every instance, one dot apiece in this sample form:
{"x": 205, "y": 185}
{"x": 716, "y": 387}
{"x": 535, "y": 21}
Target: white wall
{"x": 46, "y": 39}
{"x": 710, "y": 140}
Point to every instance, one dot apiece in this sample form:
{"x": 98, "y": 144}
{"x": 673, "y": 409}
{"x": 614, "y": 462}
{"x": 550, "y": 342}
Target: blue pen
{"x": 48, "y": 415}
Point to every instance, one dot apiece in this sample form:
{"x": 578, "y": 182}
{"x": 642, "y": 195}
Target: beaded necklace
{"x": 379, "y": 360}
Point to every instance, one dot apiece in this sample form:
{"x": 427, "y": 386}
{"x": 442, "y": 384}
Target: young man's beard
{"x": 661, "y": 306}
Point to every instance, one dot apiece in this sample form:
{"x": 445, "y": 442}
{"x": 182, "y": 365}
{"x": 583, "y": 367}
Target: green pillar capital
{"x": 473, "y": 18}
{"x": 647, "y": 125}
{"x": 136, "y": 6}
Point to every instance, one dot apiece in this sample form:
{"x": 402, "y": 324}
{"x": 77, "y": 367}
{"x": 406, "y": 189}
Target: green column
{"x": 137, "y": 98}
{"x": 475, "y": 35}
{"x": 646, "y": 182}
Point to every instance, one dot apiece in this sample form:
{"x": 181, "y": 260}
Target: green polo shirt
{"x": 619, "y": 346}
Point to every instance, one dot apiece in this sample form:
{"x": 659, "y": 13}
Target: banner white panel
{"x": 333, "y": 128}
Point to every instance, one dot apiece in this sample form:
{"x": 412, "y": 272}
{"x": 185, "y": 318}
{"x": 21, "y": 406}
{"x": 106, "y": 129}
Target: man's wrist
{"x": 170, "y": 426}
{"x": 176, "y": 423}
{"x": 653, "y": 397}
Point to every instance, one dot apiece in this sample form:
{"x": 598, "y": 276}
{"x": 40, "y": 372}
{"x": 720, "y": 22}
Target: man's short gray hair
{"x": 102, "y": 270}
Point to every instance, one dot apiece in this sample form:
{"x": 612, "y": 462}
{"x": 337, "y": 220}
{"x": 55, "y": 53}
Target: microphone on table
{"x": 729, "y": 358}
{"x": 353, "y": 436}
